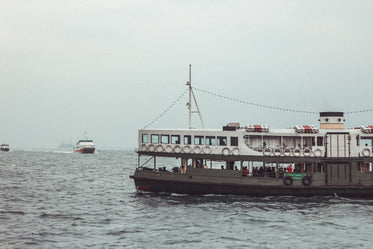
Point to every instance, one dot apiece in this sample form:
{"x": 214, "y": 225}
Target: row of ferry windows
{"x": 198, "y": 140}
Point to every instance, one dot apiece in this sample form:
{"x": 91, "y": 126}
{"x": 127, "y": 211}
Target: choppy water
{"x": 64, "y": 200}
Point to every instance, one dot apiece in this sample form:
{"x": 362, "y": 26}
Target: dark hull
{"x": 6, "y": 150}
{"x": 85, "y": 150}
{"x": 201, "y": 188}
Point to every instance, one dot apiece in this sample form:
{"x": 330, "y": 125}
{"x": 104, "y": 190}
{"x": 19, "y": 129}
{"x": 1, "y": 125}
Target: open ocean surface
{"x": 55, "y": 199}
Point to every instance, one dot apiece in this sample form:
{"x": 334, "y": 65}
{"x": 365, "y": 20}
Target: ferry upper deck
{"x": 329, "y": 141}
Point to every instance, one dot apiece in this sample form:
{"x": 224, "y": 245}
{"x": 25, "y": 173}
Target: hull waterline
{"x": 85, "y": 151}
{"x": 202, "y": 188}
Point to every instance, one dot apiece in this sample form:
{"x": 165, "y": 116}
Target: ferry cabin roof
{"x": 268, "y": 145}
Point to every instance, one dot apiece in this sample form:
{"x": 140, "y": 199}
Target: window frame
{"x": 146, "y": 140}
{"x": 177, "y": 137}
{"x": 234, "y": 141}
{"x": 199, "y": 140}
{"x": 155, "y": 136}
{"x": 219, "y": 139}
{"x": 165, "y": 136}
{"x": 187, "y": 139}
{"x": 320, "y": 141}
{"x": 210, "y": 139}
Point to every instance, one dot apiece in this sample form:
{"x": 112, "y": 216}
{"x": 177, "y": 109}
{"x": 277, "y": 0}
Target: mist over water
{"x": 53, "y": 199}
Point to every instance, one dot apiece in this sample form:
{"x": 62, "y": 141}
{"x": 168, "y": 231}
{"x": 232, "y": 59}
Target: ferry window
{"x": 234, "y": 141}
{"x": 198, "y": 140}
{"x": 319, "y": 167}
{"x": 144, "y": 138}
{"x": 175, "y": 139}
{"x": 155, "y": 139}
{"x": 165, "y": 139}
{"x": 210, "y": 141}
{"x": 319, "y": 141}
{"x": 307, "y": 141}
{"x": 222, "y": 141}
{"x": 187, "y": 139}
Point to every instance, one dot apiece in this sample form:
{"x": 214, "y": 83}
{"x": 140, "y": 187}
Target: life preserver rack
{"x": 296, "y": 152}
{"x": 237, "y": 151}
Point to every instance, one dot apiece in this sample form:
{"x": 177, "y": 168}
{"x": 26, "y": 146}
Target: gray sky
{"x": 109, "y": 68}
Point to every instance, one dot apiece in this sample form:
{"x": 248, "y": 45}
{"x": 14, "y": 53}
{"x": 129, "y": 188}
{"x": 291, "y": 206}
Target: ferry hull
{"x": 162, "y": 182}
{"x": 85, "y": 150}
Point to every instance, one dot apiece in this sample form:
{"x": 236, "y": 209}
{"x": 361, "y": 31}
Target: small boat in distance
{"x": 4, "y": 147}
{"x": 84, "y": 146}
{"x": 64, "y": 145}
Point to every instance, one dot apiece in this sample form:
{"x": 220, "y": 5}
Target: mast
{"x": 189, "y": 83}
{"x": 189, "y": 104}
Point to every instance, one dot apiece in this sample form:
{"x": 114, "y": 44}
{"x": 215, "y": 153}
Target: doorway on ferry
{"x": 338, "y": 173}
{"x": 338, "y": 144}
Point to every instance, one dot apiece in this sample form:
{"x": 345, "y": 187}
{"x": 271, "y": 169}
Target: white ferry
{"x": 84, "y": 146}
{"x": 258, "y": 160}
{"x": 4, "y": 147}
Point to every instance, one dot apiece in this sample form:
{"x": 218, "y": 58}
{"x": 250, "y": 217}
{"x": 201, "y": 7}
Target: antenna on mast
{"x": 189, "y": 104}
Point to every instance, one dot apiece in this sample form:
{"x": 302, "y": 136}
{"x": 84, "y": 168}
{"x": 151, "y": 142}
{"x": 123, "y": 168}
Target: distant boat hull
{"x": 85, "y": 150}
{"x": 4, "y": 149}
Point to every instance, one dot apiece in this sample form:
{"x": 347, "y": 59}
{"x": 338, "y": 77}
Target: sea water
{"x": 54, "y": 199}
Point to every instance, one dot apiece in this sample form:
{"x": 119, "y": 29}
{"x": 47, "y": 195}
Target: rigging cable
{"x": 165, "y": 111}
{"x": 255, "y": 104}
{"x": 273, "y": 107}
{"x": 354, "y": 112}
{"x": 245, "y": 102}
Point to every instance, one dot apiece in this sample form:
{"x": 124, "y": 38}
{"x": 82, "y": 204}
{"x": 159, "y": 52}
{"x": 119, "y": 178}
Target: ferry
{"x": 84, "y": 146}
{"x": 258, "y": 160}
{"x": 4, "y": 147}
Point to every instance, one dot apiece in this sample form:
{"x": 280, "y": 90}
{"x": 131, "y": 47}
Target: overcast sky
{"x": 109, "y": 68}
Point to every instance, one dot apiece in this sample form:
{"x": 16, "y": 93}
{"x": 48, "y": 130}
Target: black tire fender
{"x": 288, "y": 181}
{"x": 307, "y": 181}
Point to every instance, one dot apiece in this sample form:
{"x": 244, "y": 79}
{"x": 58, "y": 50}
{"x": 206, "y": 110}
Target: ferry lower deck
{"x": 191, "y": 175}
